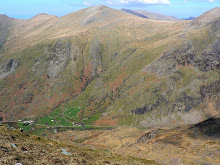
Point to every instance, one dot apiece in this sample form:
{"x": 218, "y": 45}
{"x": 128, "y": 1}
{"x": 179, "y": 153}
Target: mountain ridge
{"x": 152, "y": 15}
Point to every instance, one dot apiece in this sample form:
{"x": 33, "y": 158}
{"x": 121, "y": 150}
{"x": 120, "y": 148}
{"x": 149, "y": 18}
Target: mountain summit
{"x": 96, "y": 14}
{"x": 207, "y": 18}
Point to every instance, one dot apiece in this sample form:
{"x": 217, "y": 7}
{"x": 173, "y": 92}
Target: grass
{"x": 55, "y": 113}
{"x": 37, "y": 132}
{"x": 67, "y": 117}
{"x": 46, "y": 120}
{"x": 71, "y": 112}
{"x": 65, "y": 123}
{"x": 61, "y": 117}
{"x": 25, "y": 128}
{"x": 91, "y": 120}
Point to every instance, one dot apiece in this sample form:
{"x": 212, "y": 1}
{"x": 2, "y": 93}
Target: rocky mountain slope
{"x": 107, "y": 67}
{"x": 22, "y": 148}
{"x": 151, "y": 15}
{"x": 194, "y": 144}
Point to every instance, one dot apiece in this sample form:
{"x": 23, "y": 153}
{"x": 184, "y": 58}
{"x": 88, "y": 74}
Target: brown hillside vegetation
{"x": 186, "y": 145}
{"x": 17, "y": 147}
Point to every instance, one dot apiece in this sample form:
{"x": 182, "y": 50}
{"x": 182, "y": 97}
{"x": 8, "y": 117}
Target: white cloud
{"x": 152, "y": 2}
{"x": 87, "y": 3}
{"x": 185, "y": 1}
{"x": 126, "y": 2}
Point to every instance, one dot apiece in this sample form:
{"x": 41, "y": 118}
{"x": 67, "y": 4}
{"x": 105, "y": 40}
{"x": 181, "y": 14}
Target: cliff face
{"x": 117, "y": 69}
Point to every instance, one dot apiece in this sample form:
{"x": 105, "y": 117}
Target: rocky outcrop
{"x": 8, "y": 67}
{"x": 150, "y": 107}
{"x": 210, "y": 90}
{"x": 96, "y": 57}
{"x": 163, "y": 66}
{"x": 58, "y": 58}
{"x": 150, "y": 135}
{"x": 208, "y": 60}
{"x": 185, "y": 103}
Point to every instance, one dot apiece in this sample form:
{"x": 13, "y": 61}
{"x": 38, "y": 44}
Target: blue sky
{"x": 25, "y": 9}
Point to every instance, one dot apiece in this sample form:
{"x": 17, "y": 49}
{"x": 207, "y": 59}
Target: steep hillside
{"x": 107, "y": 67}
{"x": 151, "y": 15}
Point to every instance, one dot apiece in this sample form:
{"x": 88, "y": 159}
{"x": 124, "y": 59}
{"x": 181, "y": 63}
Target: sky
{"x": 25, "y": 9}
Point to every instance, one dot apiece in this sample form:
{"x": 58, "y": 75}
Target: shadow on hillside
{"x": 208, "y": 128}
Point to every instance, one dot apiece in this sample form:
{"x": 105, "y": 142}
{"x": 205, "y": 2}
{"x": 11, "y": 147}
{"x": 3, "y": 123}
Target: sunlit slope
{"x": 121, "y": 69}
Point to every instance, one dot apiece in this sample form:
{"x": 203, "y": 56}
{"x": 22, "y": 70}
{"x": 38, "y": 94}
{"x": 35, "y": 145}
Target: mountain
{"x": 151, "y": 15}
{"x": 5, "y": 24}
{"x": 107, "y": 67}
{"x": 189, "y": 18}
{"x": 208, "y": 18}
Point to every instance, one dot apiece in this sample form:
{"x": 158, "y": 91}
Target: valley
{"x": 111, "y": 87}
{"x": 184, "y": 144}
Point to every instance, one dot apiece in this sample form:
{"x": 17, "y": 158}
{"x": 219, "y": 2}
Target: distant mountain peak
{"x": 189, "y": 18}
{"x": 102, "y": 6}
{"x": 3, "y": 15}
{"x": 4, "y": 18}
{"x": 98, "y": 7}
{"x": 95, "y": 14}
{"x": 43, "y": 15}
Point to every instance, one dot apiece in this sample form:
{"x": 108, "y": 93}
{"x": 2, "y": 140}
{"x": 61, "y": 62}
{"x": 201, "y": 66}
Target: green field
{"x": 25, "y": 128}
{"x": 66, "y": 117}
